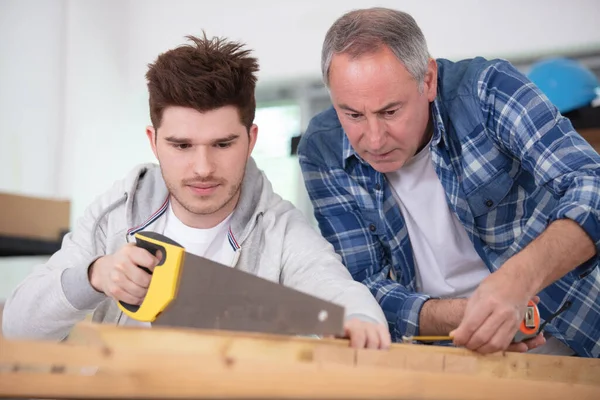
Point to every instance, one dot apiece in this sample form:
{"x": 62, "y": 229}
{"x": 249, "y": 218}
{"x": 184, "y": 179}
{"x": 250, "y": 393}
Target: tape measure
{"x": 530, "y": 326}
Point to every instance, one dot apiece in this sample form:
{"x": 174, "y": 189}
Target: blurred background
{"x": 73, "y": 100}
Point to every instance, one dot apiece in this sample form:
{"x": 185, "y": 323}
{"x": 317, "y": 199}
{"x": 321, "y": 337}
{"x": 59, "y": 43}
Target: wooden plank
{"x": 149, "y": 363}
{"x": 219, "y": 343}
{"x": 43, "y": 355}
{"x": 33, "y": 217}
{"x": 76, "y": 359}
{"x": 507, "y": 365}
{"x": 246, "y": 379}
{"x": 325, "y": 354}
{"x": 40, "y": 355}
{"x": 294, "y": 349}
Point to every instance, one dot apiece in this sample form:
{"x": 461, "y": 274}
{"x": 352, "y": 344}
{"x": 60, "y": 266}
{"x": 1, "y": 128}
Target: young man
{"x": 454, "y": 190}
{"x": 207, "y": 194}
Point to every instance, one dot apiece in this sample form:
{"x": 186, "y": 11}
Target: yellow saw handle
{"x": 165, "y": 278}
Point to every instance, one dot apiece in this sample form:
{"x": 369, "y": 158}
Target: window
{"x": 277, "y": 124}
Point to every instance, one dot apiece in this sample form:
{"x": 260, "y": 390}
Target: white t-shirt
{"x": 211, "y": 243}
{"x": 208, "y": 243}
{"x": 446, "y": 263}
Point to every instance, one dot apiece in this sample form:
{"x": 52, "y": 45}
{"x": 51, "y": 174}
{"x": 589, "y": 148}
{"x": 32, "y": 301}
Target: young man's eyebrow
{"x": 179, "y": 140}
{"x": 176, "y": 140}
{"x": 226, "y": 139}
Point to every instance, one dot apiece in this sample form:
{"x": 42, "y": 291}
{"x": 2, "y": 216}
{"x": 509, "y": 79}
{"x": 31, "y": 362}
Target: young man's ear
{"x": 151, "y": 134}
{"x": 252, "y": 136}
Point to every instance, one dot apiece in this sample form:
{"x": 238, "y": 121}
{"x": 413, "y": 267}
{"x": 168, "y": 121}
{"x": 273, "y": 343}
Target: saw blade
{"x": 214, "y": 296}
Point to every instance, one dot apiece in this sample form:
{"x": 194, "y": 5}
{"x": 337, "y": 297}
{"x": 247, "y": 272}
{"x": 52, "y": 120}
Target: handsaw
{"x": 191, "y": 291}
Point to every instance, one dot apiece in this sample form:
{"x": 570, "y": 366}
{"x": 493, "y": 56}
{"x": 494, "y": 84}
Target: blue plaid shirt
{"x": 510, "y": 164}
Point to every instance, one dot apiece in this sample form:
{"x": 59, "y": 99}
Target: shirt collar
{"x": 348, "y": 151}
{"x": 439, "y": 129}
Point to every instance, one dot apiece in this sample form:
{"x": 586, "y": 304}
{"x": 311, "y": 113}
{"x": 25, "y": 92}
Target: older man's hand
{"x": 493, "y": 315}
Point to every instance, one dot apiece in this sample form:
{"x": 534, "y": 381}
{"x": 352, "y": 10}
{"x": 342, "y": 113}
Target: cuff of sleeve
{"x": 407, "y": 323}
{"x": 362, "y": 317}
{"x": 585, "y": 217}
{"x": 78, "y": 290}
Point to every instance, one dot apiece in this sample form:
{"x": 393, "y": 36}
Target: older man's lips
{"x": 381, "y": 156}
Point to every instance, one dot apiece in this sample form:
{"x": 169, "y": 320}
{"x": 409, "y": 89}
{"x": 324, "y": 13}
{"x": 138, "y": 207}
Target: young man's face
{"x": 380, "y": 106}
{"x": 203, "y": 159}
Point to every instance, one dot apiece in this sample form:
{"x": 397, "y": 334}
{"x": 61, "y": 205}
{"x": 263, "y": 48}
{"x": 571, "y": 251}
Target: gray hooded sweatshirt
{"x": 268, "y": 237}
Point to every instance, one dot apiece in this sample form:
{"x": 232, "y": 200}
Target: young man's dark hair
{"x": 204, "y": 75}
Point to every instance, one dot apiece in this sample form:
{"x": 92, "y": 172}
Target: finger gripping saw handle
{"x": 165, "y": 278}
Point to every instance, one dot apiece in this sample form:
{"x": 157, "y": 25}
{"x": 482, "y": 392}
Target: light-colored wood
{"x": 209, "y": 340}
{"x": 296, "y": 349}
{"x": 245, "y": 379}
{"x": 202, "y": 343}
{"x": 33, "y": 217}
{"x": 506, "y": 366}
{"x": 39, "y": 356}
{"x": 325, "y": 354}
{"x": 116, "y": 362}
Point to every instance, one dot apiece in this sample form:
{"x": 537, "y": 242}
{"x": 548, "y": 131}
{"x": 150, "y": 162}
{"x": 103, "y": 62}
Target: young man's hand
{"x": 118, "y": 275}
{"x": 368, "y": 335}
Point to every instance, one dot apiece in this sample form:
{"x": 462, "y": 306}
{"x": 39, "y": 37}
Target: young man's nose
{"x": 203, "y": 163}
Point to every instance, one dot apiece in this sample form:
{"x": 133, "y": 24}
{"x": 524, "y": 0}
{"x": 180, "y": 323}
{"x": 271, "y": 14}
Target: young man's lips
{"x": 204, "y": 189}
{"x": 205, "y": 186}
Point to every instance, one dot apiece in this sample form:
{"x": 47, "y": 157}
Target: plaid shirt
{"x": 510, "y": 165}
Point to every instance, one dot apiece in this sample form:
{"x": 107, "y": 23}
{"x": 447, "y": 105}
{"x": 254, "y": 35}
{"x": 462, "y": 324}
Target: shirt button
{"x": 489, "y": 203}
{"x": 372, "y": 227}
{"x": 377, "y": 186}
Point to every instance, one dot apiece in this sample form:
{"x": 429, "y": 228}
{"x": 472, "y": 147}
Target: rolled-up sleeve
{"x": 528, "y": 126}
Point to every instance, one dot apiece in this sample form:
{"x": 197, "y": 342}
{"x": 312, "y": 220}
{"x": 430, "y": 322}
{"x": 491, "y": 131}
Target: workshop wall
{"x": 73, "y": 103}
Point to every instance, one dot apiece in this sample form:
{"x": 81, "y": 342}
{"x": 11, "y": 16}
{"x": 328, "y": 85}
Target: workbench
{"x": 105, "y": 361}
